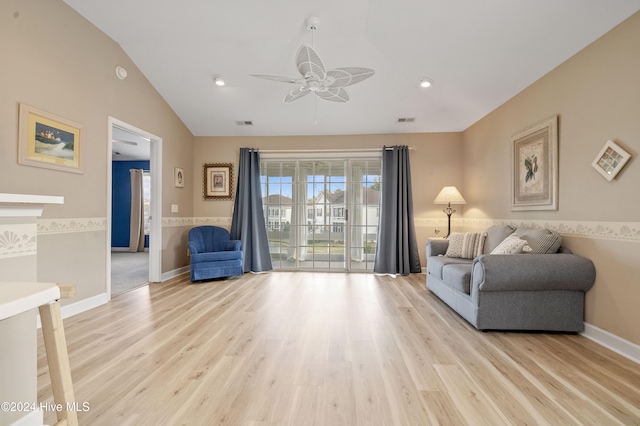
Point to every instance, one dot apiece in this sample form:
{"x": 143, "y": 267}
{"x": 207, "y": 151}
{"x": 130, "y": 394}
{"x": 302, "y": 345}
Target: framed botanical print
{"x": 217, "y": 181}
{"x": 534, "y": 167}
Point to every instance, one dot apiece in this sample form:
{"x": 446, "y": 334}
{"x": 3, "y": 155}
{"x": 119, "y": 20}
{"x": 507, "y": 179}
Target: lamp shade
{"x": 449, "y": 194}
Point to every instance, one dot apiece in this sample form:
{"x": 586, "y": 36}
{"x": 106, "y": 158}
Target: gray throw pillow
{"x": 496, "y": 235}
{"x": 541, "y": 241}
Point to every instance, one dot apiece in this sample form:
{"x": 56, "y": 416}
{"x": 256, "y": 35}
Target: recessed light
{"x": 425, "y": 82}
{"x": 219, "y": 80}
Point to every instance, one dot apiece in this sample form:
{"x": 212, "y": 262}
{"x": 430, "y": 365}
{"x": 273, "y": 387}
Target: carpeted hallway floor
{"x": 128, "y": 271}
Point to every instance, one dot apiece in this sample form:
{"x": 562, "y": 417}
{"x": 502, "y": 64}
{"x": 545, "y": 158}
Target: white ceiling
{"x": 479, "y": 53}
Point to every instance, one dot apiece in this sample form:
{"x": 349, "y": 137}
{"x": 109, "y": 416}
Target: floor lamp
{"x": 449, "y": 195}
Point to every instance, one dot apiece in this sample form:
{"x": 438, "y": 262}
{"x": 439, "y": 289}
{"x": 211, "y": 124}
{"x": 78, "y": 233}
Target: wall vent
{"x": 406, "y": 119}
{"x": 244, "y": 123}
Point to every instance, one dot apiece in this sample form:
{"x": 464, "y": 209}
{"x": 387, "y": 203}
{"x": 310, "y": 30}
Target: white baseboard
{"x": 80, "y": 306}
{"x": 34, "y": 418}
{"x": 610, "y": 341}
{"x": 171, "y": 274}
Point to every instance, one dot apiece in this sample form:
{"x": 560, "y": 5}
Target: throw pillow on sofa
{"x": 541, "y": 241}
{"x": 512, "y": 245}
{"x": 495, "y": 235}
{"x": 465, "y": 245}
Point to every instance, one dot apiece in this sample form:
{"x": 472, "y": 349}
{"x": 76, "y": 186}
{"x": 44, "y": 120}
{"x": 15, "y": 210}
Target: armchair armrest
{"x": 529, "y": 272}
{"x": 192, "y": 247}
{"x": 233, "y": 245}
{"x": 436, "y": 247}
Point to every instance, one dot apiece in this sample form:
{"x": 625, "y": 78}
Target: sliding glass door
{"x": 321, "y": 214}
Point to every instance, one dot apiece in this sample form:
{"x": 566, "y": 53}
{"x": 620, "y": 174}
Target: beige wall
{"x": 55, "y": 60}
{"x": 597, "y": 97}
{"x": 435, "y": 162}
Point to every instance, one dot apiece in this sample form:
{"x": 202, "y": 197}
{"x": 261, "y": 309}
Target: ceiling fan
{"x": 325, "y": 84}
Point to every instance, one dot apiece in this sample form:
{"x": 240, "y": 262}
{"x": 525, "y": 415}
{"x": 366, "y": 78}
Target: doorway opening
{"x": 131, "y": 148}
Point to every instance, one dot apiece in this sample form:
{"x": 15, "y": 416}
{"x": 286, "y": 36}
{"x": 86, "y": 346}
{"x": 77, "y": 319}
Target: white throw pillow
{"x": 512, "y": 245}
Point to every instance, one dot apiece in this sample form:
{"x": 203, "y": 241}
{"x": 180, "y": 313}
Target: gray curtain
{"x": 247, "y": 223}
{"x": 136, "y": 229}
{"x": 397, "y": 248}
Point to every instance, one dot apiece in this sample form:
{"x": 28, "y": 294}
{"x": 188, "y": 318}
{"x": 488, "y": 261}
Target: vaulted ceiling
{"x": 479, "y": 53}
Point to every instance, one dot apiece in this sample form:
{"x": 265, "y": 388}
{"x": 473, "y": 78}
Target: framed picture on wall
{"x": 217, "y": 181}
{"x": 49, "y": 141}
{"x": 178, "y": 177}
{"x": 610, "y": 160}
{"x": 534, "y": 167}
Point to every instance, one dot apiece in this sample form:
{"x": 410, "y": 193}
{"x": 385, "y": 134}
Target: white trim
{"x": 155, "y": 237}
{"x": 610, "y": 341}
{"x": 34, "y": 418}
{"x": 172, "y": 274}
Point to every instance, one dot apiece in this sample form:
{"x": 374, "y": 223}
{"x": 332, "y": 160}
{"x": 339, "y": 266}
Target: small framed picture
{"x": 610, "y": 160}
{"x": 217, "y": 181}
{"x": 178, "y": 177}
{"x": 46, "y": 140}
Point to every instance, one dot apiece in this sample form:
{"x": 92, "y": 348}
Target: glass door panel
{"x": 321, "y": 214}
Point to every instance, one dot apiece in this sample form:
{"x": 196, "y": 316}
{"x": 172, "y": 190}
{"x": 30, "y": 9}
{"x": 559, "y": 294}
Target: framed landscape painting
{"x": 534, "y": 167}
{"x": 217, "y": 181}
{"x": 48, "y": 141}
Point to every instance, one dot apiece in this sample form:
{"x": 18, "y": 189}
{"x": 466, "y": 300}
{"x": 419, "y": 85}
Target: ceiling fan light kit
{"x": 325, "y": 84}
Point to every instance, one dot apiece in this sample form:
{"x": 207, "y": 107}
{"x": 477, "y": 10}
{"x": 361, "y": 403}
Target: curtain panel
{"x": 397, "y": 248}
{"x": 247, "y": 223}
{"x": 136, "y": 229}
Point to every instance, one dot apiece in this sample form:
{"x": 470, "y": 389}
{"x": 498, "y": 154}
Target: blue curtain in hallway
{"x": 397, "y": 248}
{"x": 247, "y": 223}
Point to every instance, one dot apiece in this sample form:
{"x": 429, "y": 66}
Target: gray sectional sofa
{"x": 542, "y": 289}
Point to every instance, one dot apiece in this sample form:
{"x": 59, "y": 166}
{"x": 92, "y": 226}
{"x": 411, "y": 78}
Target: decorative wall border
{"x": 169, "y": 222}
{"x": 620, "y": 231}
{"x": 71, "y": 225}
{"x": 18, "y": 240}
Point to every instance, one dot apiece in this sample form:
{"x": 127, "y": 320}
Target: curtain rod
{"x": 323, "y": 151}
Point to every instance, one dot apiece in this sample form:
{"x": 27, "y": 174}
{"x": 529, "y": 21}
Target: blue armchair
{"x": 214, "y": 254}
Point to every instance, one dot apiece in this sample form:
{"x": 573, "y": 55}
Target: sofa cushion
{"x": 466, "y": 245}
{"x": 458, "y": 276}
{"x": 435, "y": 264}
{"x": 512, "y": 245}
{"x": 496, "y": 235}
{"x": 541, "y": 241}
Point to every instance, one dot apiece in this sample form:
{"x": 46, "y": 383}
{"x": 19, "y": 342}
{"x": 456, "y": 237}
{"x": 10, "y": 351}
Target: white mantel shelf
{"x": 16, "y": 298}
{"x": 25, "y": 205}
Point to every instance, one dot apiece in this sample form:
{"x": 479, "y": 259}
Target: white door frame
{"x": 155, "y": 236}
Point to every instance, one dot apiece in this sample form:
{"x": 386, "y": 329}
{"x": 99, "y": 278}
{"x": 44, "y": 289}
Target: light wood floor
{"x": 291, "y": 348}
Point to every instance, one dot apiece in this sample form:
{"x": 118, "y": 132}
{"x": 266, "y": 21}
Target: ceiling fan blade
{"x": 308, "y": 61}
{"x": 279, "y": 78}
{"x": 296, "y": 93}
{"x": 334, "y": 94}
{"x": 348, "y": 76}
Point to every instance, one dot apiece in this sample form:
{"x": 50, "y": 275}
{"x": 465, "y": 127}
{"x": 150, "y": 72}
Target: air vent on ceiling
{"x": 406, "y": 119}
{"x": 244, "y": 123}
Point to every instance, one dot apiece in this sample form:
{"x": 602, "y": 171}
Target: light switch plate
{"x": 174, "y": 208}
